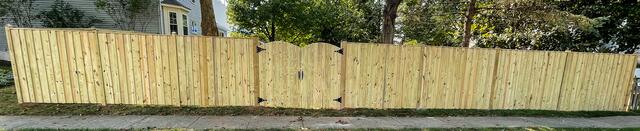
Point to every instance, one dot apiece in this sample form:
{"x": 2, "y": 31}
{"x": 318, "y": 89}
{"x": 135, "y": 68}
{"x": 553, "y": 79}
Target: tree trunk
{"x": 388, "y": 25}
{"x": 471, "y": 11}
{"x": 272, "y": 35}
{"x": 209, "y": 27}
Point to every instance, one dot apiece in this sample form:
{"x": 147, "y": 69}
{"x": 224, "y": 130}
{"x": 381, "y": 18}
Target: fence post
{"x": 14, "y": 69}
{"x": 564, "y": 71}
{"x": 256, "y": 71}
{"x": 421, "y": 76}
{"x": 494, "y": 78}
{"x": 633, "y": 101}
{"x": 631, "y": 86}
{"x": 343, "y": 75}
{"x": 99, "y": 79}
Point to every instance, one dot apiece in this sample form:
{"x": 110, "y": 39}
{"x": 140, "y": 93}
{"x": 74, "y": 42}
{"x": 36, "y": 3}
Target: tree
{"x": 334, "y": 21}
{"x": 304, "y": 22}
{"x": 429, "y": 22}
{"x": 209, "y": 27}
{"x": 388, "y": 26}
{"x": 535, "y": 25}
{"x": 471, "y": 12}
{"x": 589, "y": 26}
{"x": 20, "y": 12}
{"x": 129, "y": 14}
{"x": 3, "y": 12}
{"x": 3, "y": 8}
{"x": 63, "y": 15}
{"x": 267, "y": 18}
{"x": 367, "y": 19}
{"x": 619, "y": 32}
{"x": 525, "y": 24}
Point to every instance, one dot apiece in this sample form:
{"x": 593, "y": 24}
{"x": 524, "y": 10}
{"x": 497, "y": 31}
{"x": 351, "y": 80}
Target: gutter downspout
{"x": 162, "y": 31}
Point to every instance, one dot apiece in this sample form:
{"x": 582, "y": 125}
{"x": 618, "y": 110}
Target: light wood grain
{"x": 114, "y": 67}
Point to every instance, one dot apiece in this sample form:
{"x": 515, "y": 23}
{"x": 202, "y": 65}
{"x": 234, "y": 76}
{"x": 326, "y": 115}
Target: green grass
{"x": 434, "y": 129}
{"x": 9, "y": 106}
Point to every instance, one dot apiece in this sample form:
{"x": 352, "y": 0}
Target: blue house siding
{"x": 194, "y": 15}
{"x": 154, "y": 24}
{"x": 89, "y": 9}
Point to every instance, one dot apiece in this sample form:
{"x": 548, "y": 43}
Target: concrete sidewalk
{"x": 269, "y": 122}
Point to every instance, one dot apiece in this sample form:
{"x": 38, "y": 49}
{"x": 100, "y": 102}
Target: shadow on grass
{"x": 9, "y": 106}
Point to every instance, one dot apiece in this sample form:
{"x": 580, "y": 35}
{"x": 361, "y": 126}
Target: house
{"x": 184, "y": 17}
{"x": 180, "y": 16}
{"x": 220, "y": 10}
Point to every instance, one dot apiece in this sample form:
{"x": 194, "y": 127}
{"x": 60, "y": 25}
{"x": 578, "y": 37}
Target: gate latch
{"x": 341, "y": 51}
{"x": 300, "y": 74}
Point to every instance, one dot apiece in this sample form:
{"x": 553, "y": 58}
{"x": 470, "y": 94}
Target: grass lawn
{"x": 9, "y": 106}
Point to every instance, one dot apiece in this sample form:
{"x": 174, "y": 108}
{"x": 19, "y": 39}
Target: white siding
{"x": 220, "y": 9}
{"x": 194, "y": 15}
{"x": 89, "y": 9}
{"x": 4, "y": 49}
{"x": 3, "y": 40}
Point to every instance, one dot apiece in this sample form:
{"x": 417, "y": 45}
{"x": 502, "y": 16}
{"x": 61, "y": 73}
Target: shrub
{"x": 63, "y": 15}
{"x": 6, "y": 77}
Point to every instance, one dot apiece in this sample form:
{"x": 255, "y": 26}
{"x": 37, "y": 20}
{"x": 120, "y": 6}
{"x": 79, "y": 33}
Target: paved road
{"x": 268, "y": 122}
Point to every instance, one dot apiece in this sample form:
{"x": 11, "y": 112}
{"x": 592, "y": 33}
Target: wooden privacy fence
{"x": 112, "y": 67}
{"x": 94, "y": 66}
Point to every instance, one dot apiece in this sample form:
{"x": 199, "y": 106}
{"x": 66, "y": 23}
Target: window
{"x": 173, "y": 23}
{"x": 185, "y": 25}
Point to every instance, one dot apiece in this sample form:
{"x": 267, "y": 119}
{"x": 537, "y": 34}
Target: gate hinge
{"x": 258, "y": 49}
{"x": 340, "y": 51}
{"x": 260, "y": 100}
{"x": 339, "y": 99}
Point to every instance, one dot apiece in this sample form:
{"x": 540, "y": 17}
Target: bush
{"x": 63, "y": 15}
{"x": 6, "y": 77}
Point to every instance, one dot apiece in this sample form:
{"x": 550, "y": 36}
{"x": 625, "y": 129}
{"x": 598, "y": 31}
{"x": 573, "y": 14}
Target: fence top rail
{"x": 99, "y": 30}
{"x": 501, "y": 49}
{"x": 300, "y": 45}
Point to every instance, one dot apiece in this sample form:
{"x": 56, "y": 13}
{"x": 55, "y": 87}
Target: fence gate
{"x": 299, "y": 77}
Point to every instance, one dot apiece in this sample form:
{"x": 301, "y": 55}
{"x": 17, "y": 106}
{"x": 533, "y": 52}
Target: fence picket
{"x": 15, "y": 55}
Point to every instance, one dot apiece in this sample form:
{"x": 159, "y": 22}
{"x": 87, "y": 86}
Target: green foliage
{"x": 3, "y": 8}
{"x": 6, "y": 77}
{"x": 305, "y": 21}
{"x": 336, "y": 21}
{"x": 268, "y": 19}
{"x": 586, "y": 26}
{"x": 18, "y": 12}
{"x": 536, "y": 25}
{"x": 63, "y": 15}
{"x": 129, "y": 14}
{"x": 430, "y": 22}
{"x": 369, "y": 20}
{"x": 621, "y": 31}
